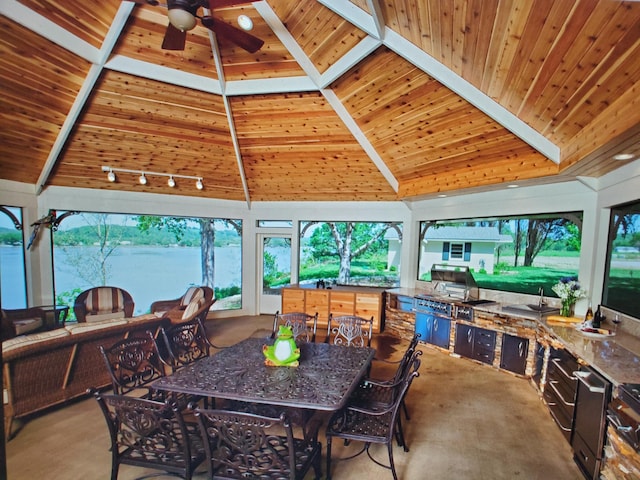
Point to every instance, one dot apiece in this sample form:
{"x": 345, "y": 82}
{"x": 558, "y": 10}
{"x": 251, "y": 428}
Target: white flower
{"x": 568, "y": 289}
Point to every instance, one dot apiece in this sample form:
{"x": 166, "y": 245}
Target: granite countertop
{"x": 616, "y": 357}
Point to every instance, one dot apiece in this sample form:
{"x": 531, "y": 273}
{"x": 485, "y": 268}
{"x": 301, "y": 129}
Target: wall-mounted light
{"x": 143, "y": 176}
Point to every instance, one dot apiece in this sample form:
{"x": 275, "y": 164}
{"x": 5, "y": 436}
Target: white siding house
{"x": 472, "y": 247}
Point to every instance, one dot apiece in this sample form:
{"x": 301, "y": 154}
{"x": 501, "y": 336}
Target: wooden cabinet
{"x": 362, "y": 301}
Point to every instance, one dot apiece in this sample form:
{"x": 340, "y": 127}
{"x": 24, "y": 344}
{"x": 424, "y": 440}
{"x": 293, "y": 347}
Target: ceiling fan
{"x": 182, "y": 17}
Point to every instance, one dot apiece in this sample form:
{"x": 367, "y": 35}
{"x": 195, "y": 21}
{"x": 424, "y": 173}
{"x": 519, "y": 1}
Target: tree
{"x": 178, "y": 225}
{"x": 106, "y": 238}
{"x": 538, "y": 231}
{"x": 347, "y": 240}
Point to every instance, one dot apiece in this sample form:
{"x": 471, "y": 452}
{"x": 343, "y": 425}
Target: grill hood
{"x": 454, "y": 281}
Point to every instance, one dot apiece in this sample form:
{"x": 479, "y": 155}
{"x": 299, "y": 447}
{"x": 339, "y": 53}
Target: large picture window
{"x": 622, "y": 277}
{"x": 350, "y": 253}
{"x": 13, "y": 284}
{"x": 514, "y": 254}
{"x": 151, "y": 257}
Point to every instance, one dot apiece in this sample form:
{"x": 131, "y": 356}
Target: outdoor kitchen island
{"x": 489, "y": 332}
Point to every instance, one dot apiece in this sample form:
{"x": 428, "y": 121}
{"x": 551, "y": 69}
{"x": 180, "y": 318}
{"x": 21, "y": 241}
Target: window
{"x": 151, "y": 257}
{"x": 13, "y": 283}
{"x": 622, "y": 276}
{"x": 514, "y": 254}
{"x": 350, "y": 253}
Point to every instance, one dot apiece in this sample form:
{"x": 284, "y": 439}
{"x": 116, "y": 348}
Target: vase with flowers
{"x": 569, "y": 291}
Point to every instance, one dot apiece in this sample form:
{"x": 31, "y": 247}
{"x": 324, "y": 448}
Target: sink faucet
{"x": 541, "y": 302}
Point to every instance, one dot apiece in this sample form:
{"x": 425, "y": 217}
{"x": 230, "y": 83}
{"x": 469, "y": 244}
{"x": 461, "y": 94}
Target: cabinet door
{"x": 369, "y": 305}
{"x": 440, "y": 332}
{"x": 292, "y": 300}
{"x": 318, "y": 301}
{"x": 514, "y": 353}
{"x": 424, "y": 325}
{"x": 464, "y": 340}
{"x": 342, "y": 303}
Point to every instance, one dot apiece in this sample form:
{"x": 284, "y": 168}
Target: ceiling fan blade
{"x": 174, "y": 39}
{"x": 241, "y": 38}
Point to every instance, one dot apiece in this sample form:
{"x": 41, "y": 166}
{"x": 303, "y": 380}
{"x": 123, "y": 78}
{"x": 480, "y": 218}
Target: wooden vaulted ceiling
{"x": 360, "y": 100}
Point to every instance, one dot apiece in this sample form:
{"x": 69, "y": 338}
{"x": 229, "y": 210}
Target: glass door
{"x": 274, "y": 270}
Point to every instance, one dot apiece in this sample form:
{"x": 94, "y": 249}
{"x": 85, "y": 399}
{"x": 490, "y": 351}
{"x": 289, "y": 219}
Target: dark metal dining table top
{"x": 327, "y": 374}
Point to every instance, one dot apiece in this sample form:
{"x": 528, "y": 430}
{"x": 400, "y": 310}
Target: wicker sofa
{"x": 45, "y": 369}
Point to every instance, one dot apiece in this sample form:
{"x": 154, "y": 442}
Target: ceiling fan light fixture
{"x": 245, "y": 23}
{"x": 142, "y": 179}
{"x": 111, "y": 176}
{"x": 199, "y": 184}
{"x": 171, "y": 182}
{"x": 181, "y": 19}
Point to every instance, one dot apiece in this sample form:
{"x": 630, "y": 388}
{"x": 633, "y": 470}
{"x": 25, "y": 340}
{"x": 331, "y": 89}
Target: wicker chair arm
{"x": 164, "y": 305}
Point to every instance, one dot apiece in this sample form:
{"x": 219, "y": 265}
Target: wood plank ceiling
{"x": 361, "y": 100}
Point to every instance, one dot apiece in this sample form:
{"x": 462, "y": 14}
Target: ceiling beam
{"x": 310, "y": 69}
{"x": 110, "y": 40}
{"x": 44, "y": 27}
{"x": 448, "y": 78}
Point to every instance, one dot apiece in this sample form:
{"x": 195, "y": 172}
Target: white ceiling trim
{"x": 451, "y": 80}
{"x": 270, "y": 85}
{"x": 360, "y": 137}
{"x": 84, "y": 93}
{"x": 353, "y": 14}
{"x": 378, "y": 17}
{"x": 358, "y": 53}
{"x": 274, "y": 22}
{"x": 49, "y": 30}
{"x": 151, "y": 71}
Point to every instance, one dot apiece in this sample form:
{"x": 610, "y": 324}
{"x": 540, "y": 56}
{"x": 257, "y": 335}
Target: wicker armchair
{"x": 160, "y": 307}
{"x": 103, "y": 303}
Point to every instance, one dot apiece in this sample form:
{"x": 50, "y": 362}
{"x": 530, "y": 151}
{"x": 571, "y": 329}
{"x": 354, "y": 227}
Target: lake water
{"x": 147, "y": 273}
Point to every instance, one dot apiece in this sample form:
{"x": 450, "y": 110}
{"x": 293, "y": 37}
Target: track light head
{"x": 111, "y": 176}
{"x": 199, "y": 184}
{"x": 171, "y": 182}
{"x": 142, "y": 179}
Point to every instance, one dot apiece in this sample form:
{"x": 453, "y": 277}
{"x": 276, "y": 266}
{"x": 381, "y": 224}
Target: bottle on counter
{"x": 589, "y": 315}
{"x": 597, "y": 318}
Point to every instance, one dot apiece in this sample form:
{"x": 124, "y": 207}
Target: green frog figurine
{"x": 283, "y": 352}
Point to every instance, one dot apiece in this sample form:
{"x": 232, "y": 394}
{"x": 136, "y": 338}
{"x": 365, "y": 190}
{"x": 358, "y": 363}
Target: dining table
{"x": 324, "y": 379}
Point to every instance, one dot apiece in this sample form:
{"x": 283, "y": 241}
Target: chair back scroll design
{"x": 133, "y": 363}
{"x": 350, "y": 330}
{"x": 378, "y": 424}
{"x": 185, "y": 343}
{"x": 303, "y": 325}
{"x": 150, "y": 434}
{"x": 244, "y": 445}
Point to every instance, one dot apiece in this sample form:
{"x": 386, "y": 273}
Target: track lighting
{"x": 143, "y": 176}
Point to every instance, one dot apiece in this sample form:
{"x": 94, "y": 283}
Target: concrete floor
{"x": 468, "y": 421}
